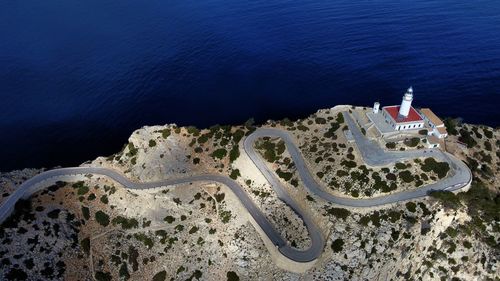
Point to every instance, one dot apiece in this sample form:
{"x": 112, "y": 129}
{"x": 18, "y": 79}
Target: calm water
{"x": 77, "y": 77}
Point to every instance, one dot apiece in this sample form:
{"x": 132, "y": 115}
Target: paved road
{"x": 372, "y": 154}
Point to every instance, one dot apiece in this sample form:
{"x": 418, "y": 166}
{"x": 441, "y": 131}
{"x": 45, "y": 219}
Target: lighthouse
{"x": 405, "y": 107}
{"x": 403, "y": 117}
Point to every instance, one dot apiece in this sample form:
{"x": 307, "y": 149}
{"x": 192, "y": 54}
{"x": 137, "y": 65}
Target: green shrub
{"x": 238, "y": 135}
{"x": 104, "y": 199}
{"x": 102, "y": 218}
{"x": 390, "y": 145}
{"x": 193, "y": 229}
{"x": 467, "y": 244}
{"x": 132, "y": 150}
{"x": 411, "y": 207}
{"x": 447, "y": 198}
{"x": 160, "y": 276}
{"x": 144, "y": 239}
{"x": 203, "y": 139}
{"x": 302, "y": 128}
{"x": 406, "y": 176}
{"x": 395, "y": 234}
{"x": 487, "y": 145}
{"x": 342, "y": 173}
{"x": 169, "y": 219}
{"x": 452, "y": 232}
{"x": 349, "y": 164}
{"x": 412, "y": 142}
{"x": 219, "y": 153}
{"x": 284, "y": 175}
{"x": 320, "y": 120}
{"x": 331, "y": 131}
{"x": 337, "y": 245}
{"x": 102, "y": 276}
{"x": 466, "y": 138}
{"x": 234, "y": 153}
{"x": 165, "y": 133}
{"x": 394, "y": 216}
{"x": 125, "y": 223}
{"x": 85, "y": 213}
{"x": 232, "y": 276}
{"x": 219, "y": 197}
{"x": 193, "y": 131}
{"x": 400, "y": 166}
{"x": 451, "y": 126}
{"x": 340, "y": 118}
{"x": 82, "y": 189}
{"x": 270, "y": 150}
{"x": 340, "y": 213}
{"x": 440, "y": 168}
{"x": 235, "y": 174}
{"x": 355, "y": 193}
{"x": 225, "y": 216}
{"x": 152, "y": 143}
{"x": 488, "y": 133}
{"x": 123, "y": 272}
{"x": 85, "y": 244}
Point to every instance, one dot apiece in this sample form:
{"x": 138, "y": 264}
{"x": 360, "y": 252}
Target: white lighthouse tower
{"x": 404, "y": 109}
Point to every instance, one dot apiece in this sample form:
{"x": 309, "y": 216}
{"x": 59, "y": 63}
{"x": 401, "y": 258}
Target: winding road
{"x": 459, "y": 177}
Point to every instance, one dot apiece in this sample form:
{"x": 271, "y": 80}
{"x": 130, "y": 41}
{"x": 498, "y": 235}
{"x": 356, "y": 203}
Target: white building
{"x": 376, "y": 107}
{"x": 403, "y": 117}
{"x": 432, "y": 142}
{"x": 437, "y": 126}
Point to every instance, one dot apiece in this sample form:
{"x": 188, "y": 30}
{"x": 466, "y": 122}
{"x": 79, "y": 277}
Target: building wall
{"x": 439, "y": 135}
{"x": 409, "y": 126}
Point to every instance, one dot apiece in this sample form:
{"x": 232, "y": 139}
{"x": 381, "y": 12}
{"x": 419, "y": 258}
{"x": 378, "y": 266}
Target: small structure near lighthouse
{"x": 376, "y": 107}
{"x": 403, "y": 117}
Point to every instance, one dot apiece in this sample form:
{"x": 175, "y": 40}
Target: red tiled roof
{"x": 393, "y": 111}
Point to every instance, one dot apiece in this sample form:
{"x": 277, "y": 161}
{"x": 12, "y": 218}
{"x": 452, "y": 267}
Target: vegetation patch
{"x": 235, "y": 174}
{"x": 144, "y": 239}
{"x": 411, "y": 207}
{"x": 160, "y": 276}
{"x": 234, "y": 153}
{"x": 406, "y": 176}
{"x": 337, "y": 245}
{"x": 225, "y": 216}
{"x": 219, "y": 153}
{"x": 125, "y": 223}
{"x": 85, "y": 213}
{"x": 102, "y": 218}
{"x": 152, "y": 143}
{"x": 232, "y": 276}
{"x": 132, "y": 150}
{"x": 169, "y": 219}
{"x": 165, "y": 133}
{"x": 340, "y": 213}
{"x": 82, "y": 189}
{"x": 440, "y": 168}
{"x": 85, "y": 244}
{"x": 413, "y": 142}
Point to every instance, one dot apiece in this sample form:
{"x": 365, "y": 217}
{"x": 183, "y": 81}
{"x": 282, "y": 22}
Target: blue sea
{"x": 78, "y": 76}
